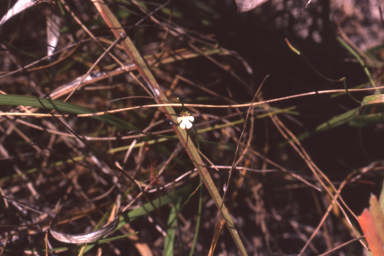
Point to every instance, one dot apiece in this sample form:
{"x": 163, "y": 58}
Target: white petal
{"x": 179, "y": 119}
{"x": 191, "y": 118}
{"x": 182, "y": 125}
{"x": 188, "y": 124}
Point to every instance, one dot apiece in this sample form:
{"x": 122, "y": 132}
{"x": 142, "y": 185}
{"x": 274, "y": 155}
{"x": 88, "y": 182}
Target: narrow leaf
{"x": 331, "y": 123}
{"x": 18, "y": 7}
{"x": 22, "y": 100}
{"x": 86, "y": 237}
{"x": 373, "y": 99}
{"x": 169, "y": 241}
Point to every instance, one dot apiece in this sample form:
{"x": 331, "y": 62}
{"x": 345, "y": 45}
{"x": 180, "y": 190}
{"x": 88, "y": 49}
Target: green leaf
{"x": 60, "y": 106}
{"x": 373, "y": 99}
{"x": 171, "y": 224}
{"x": 331, "y": 123}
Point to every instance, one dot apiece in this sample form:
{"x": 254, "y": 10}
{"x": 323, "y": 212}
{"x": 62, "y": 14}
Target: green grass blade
{"x": 171, "y": 228}
{"x": 368, "y": 116}
{"x": 367, "y": 119}
{"x": 198, "y": 219}
{"x": 372, "y": 99}
{"x": 354, "y": 53}
{"x": 22, "y": 100}
{"x": 331, "y": 123}
{"x": 351, "y": 117}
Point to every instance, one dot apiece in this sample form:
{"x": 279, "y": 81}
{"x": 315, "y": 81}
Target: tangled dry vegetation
{"x": 90, "y": 136}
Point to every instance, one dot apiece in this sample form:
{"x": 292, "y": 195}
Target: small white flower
{"x": 185, "y": 119}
